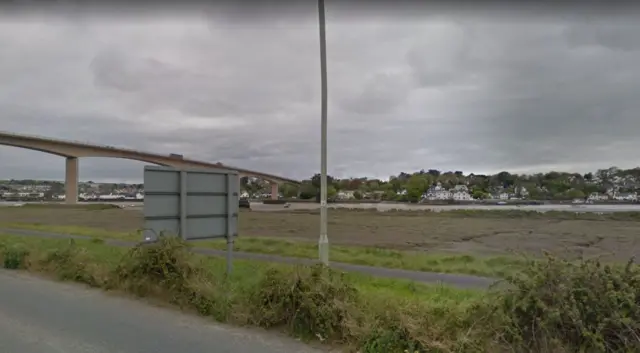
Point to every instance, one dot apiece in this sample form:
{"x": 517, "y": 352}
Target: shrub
{"x": 312, "y": 302}
{"x": 559, "y": 306}
{"x": 163, "y": 266}
{"x": 15, "y": 257}
{"x": 70, "y": 263}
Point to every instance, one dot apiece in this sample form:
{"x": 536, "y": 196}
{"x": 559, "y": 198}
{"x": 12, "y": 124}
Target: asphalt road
{"x": 456, "y": 280}
{"x": 39, "y": 316}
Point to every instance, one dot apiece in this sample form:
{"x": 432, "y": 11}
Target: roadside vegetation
{"x": 552, "y": 306}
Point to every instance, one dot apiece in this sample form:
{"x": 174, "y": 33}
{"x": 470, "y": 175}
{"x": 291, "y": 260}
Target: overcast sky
{"x": 475, "y": 91}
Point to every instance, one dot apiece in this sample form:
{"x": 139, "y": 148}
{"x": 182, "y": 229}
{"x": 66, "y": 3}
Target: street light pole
{"x": 323, "y": 242}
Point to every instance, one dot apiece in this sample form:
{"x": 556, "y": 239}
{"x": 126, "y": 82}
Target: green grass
{"x": 494, "y": 266}
{"x": 245, "y": 269}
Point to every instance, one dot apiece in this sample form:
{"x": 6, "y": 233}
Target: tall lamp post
{"x": 323, "y": 241}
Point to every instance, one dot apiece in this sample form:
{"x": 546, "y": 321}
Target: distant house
{"x": 437, "y": 192}
{"x": 460, "y": 188}
{"x": 346, "y": 195}
{"x": 522, "y": 192}
{"x": 625, "y": 196}
{"x": 596, "y": 196}
{"x": 461, "y": 195}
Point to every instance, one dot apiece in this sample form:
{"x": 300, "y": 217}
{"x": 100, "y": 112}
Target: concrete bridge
{"x": 72, "y": 150}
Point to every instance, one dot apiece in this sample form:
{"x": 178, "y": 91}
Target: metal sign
{"x": 191, "y": 203}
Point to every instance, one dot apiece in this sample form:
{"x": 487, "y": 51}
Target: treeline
{"x": 540, "y": 186}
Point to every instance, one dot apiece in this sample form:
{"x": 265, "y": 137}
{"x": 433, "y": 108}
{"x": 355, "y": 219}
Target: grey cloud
{"x": 615, "y": 36}
{"x": 477, "y": 93}
{"x": 380, "y": 94}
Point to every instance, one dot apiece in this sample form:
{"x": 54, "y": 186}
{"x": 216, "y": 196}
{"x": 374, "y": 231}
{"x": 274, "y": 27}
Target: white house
{"x": 461, "y": 196}
{"x": 346, "y": 195}
{"x": 522, "y": 192}
{"x": 625, "y": 196}
{"x": 595, "y": 196}
{"x": 461, "y": 187}
{"x": 437, "y": 192}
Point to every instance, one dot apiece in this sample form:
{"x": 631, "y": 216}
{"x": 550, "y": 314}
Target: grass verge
{"x": 553, "y": 306}
{"x": 489, "y": 266}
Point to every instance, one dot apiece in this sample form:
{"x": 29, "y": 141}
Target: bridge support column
{"x": 71, "y": 181}
{"x": 274, "y": 191}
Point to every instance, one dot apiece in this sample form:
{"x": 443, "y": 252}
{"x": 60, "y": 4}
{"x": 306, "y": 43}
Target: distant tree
{"x": 390, "y": 195}
{"x": 357, "y": 195}
{"x": 416, "y": 186}
{"x": 307, "y": 191}
{"x": 331, "y": 192}
{"x": 289, "y": 190}
{"x": 478, "y": 194}
{"x": 434, "y": 172}
{"x": 315, "y": 180}
{"x": 575, "y": 194}
{"x": 504, "y": 179}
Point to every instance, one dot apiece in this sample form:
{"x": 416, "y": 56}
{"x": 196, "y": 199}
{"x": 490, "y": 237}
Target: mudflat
{"x": 436, "y": 232}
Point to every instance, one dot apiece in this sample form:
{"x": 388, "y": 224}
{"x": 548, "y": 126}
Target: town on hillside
{"x": 605, "y": 185}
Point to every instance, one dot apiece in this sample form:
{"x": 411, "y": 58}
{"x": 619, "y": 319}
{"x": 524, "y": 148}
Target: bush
{"x": 15, "y": 257}
{"x": 311, "y": 302}
{"x": 70, "y": 263}
{"x": 163, "y": 266}
{"x": 559, "y": 306}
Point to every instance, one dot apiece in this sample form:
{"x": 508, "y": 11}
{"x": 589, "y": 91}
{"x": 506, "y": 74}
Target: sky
{"x": 418, "y": 88}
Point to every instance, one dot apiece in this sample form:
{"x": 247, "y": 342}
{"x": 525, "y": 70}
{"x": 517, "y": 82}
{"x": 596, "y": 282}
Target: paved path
{"x": 40, "y": 316}
{"x": 457, "y": 280}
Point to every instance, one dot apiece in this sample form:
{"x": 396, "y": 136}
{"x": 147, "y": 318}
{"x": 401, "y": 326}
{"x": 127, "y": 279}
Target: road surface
{"x": 39, "y": 316}
{"x": 456, "y": 280}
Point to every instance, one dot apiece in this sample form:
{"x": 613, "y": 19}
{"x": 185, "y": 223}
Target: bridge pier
{"x": 274, "y": 191}
{"x": 71, "y": 181}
